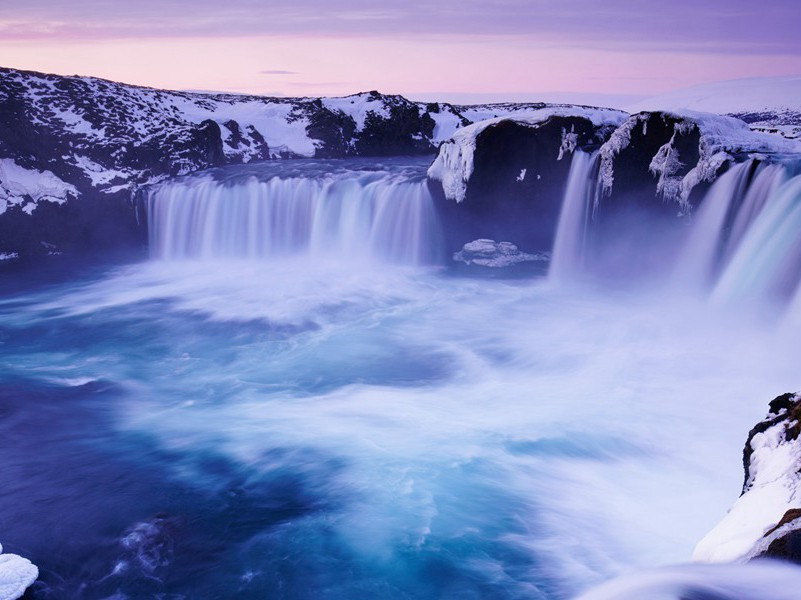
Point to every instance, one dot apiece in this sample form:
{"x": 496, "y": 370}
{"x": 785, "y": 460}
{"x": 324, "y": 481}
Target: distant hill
{"x": 771, "y": 104}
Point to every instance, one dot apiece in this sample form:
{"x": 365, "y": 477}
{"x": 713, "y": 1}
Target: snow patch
{"x": 27, "y": 187}
{"x": 16, "y": 575}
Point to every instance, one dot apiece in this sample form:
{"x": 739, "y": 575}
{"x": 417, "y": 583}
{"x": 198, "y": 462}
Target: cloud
{"x": 278, "y": 72}
{"x": 706, "y": 27}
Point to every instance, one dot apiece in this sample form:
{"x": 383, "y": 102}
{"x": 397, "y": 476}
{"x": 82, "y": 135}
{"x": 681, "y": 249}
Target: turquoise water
{"x": 326, "y": 415}
{"x": 304, "y": 429}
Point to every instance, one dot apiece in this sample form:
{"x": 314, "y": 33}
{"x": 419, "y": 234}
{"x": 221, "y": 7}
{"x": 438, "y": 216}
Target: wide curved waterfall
{"x": 742, "y": 241}
{"x": 314, "y": 417}
{"x": 253, "y": 213}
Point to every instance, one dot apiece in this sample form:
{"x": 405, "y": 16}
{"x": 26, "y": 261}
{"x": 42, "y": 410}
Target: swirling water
{"x": 314, "y": 425}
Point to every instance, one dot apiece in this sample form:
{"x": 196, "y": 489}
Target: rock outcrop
{"x": 74, "y": 150}
{"x": 488, "y": 257}
{"x": 504, "y": 178}
{"x": 766, "y": 520}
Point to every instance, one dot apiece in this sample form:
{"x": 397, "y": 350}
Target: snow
{"x": 453, "y": 165}
{"x": 16, "y": 575}
{"x": 274, "y": 121}
{"x": 722, "y": 139}
{"x": 773, "y": 488}
{"x": 358, "y": 106}
{"x": 97, "y": 173}
{"x": 27, "y": 187}
{"x": 775, "y": 94}
{"x": 489, "y": 253}
{"x": 446, "y": 122}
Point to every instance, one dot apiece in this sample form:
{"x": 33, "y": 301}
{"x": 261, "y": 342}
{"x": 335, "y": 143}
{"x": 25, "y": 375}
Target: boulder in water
{"x": 16, "y": 575}
{"x": 488, "y": 255}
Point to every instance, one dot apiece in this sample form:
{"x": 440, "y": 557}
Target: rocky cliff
{"x": 74, "y": 150}
{"x": 765, "y": 521}
{"x": 505, "y": 178}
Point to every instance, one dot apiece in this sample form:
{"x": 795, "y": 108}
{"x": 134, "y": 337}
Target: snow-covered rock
{"x": 454, "y": 165}
{"x": 496, "y": 255}
{"x": 683, "y": 149}
{"x": 27, "y": 187}
{"x": 766, "y": 519}
{"x": 504, "y": 178}
{"x": 16, "y": 575}
{"x": 81, "y": 146}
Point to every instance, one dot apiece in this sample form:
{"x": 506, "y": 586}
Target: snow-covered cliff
{"x": 73, "y": 150}
{"x": 681, "y": 149}
{"x": 766, "y": 519}
{"x": 504, "y": 178}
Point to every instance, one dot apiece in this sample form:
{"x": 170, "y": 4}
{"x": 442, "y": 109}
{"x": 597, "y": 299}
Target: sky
{"x": 455, "y": 50}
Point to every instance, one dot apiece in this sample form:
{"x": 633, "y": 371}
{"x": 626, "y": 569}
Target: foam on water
{"x": 322, "y": 416}
{"x": 466, "y": 437}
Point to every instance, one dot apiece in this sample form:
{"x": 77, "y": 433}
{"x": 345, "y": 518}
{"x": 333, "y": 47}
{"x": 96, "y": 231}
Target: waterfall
{"x": 768, "y": 260}
{"x": 767, "y": 180}
{"x": 567, "y": 258}
{"x": 743, "y": 240}
{"x": 351, "y": 214}
{"x": 700, "y": 254}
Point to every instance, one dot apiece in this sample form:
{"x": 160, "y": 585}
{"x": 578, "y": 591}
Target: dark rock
{"x": 515, "y": 189}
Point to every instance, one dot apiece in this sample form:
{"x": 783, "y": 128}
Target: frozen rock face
{"x": 766, "y": 520}
{"x": 672, "y": 154}
{"x": 73, "y": 150}
{"x": 489, "y": 253}
{"x": 504, "y": 178}
{"x": 16, "y": 575}
{"x": 488, "y": 258}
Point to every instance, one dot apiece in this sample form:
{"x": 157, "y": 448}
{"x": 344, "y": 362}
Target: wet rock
{"x": 498, "y": 258}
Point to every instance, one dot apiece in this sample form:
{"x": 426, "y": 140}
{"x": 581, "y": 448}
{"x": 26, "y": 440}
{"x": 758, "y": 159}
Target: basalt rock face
{"x": 766, "y": 520}
{"x": 505, "y": 178}
{"x": 74, "y": 150}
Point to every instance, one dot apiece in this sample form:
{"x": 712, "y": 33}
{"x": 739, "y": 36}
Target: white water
{"x": 574, "y": 219}
{"x": 743, "y": 243}
{"x": 766, "y": 263}
{"x": 361, "y": 216}
{"x": 531, "y": 441}
{"x": 765, "y": 580}
{"x": 697, "y": 261}
{"x": 463, "y": 438}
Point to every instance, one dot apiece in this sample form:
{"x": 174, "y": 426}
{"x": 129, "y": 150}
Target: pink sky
{"x": 514, "y": 49}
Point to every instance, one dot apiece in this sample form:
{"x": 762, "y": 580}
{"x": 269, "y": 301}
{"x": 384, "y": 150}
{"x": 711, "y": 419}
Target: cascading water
{"x": 700, "y": 254}
{"x": 302, "y": 428}
{"x": 767, "y": 262}
{"x": 569, "y": 246}
{"x": 743, "y": 241}
{"x": 350, "y": 213}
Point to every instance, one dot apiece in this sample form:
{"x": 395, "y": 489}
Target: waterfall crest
{"x": 359, "y": 215}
